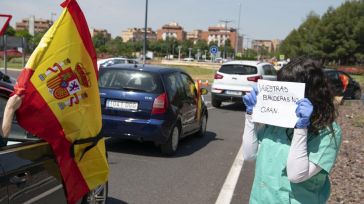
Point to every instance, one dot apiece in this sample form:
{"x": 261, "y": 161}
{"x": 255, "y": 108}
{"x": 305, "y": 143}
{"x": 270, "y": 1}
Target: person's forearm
{"x": 250, "y": 141}
{"x": 7, "y": 121}
{"x": 299, "y": 168}
{"x": 12, "y": 105}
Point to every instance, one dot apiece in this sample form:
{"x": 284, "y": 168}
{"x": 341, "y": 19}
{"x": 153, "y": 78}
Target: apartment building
{"x": 194, "y": 36}
{"x": 269, "y": 45}
{"x": 220, "y": 34}
{"x": 33, "y": 25}
{"x": 137, "y": 34}
{"x": 103, "y": 32}
{"x": 171, "y": 30}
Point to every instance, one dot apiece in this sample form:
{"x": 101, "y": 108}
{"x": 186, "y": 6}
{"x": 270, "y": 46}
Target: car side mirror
{"x": 203, "y": 91}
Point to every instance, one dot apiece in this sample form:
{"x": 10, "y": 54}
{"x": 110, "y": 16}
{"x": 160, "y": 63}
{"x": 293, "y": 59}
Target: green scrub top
{"x": 271, "y": 184}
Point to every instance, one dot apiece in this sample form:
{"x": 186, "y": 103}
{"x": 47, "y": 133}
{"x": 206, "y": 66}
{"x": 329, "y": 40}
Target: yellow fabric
{"x": 199, "y": 102}
{"x": 63, "y": 44}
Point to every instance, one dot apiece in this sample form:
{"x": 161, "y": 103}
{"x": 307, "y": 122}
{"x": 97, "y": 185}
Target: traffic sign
{"x": 281, "y": 57}
{"x": 214, "y": 49}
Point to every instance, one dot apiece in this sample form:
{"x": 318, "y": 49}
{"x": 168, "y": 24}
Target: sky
{"x": 259, "y": 19}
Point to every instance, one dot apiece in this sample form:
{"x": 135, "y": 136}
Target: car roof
{"x": 246, "y": 62}
{"x": 147, "y": 68}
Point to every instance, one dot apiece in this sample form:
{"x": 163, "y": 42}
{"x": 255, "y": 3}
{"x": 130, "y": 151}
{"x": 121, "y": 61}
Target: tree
{"x": 302, "y": 41}
{"x": 335, "y": 37}
{"x": 10, "y": 31}
{"x": 34, "y": 41}
{"x": 99, "y": 42}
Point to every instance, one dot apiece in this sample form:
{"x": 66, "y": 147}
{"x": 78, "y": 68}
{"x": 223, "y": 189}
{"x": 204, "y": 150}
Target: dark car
{"x": 28, "y": 169}
{"x": 151, "y": 103}
{"x": 353, "y": 90}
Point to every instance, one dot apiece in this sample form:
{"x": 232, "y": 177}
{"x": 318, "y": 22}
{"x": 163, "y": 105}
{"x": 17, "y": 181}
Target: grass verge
{"x": 12, "y": 64}
{"x": 198, "y": 72}
{"x": 359, "y": 79}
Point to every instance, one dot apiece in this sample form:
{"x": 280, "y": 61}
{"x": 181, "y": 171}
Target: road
{"x": 140, "y": 174}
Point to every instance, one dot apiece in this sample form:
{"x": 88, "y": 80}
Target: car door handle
{"x": 20, "y": 178}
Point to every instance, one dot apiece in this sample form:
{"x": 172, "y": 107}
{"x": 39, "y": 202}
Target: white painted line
{"x": 227, "y": 190}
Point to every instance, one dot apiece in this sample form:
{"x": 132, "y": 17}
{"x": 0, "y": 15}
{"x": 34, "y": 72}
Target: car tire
{"x": 357, "y": 94}
{"x": 203, "y": 125}
{"x": 170, "y": 147}
{"x": 97, "y": 195}
{"x": 215, "y": 103}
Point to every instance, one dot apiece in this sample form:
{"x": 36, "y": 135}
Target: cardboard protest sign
{"x": 276, "y": 103}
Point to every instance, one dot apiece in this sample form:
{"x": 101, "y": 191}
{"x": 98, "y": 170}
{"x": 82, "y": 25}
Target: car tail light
{"x": 218, "y": 76}
{"x": 160, "y": 104}
{"x": 214, "y": 90}
{"x": 255, "y": 78}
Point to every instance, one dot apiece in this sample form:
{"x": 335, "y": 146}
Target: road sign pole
{"x": 23, "y": 49}
{"x": 5, "y": 57}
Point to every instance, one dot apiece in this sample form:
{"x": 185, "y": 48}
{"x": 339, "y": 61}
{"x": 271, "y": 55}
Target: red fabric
{"x": 3, "y": 29}
{"x": 83, "y": 29}
{"x": 344, "y": 80}
{"x": 51, "y": 131}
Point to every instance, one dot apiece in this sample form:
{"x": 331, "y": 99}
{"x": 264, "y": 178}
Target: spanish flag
{"x": 61, "y": 104}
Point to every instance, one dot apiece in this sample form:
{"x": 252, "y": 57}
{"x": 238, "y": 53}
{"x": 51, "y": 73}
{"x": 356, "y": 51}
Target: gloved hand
{"x": 250, "y": 99}
{"x": 303, "y": 112}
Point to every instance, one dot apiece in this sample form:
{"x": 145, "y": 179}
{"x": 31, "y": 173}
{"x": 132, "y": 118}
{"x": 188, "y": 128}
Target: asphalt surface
{"x": 140, "y": 174}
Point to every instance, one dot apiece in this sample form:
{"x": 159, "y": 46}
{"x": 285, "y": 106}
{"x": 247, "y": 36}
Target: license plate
{"x": 124, "y": 105}
{"x": 237, "y": 93}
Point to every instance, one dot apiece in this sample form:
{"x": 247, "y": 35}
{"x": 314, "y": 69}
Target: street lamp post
{"x": 179, "y": 52}
{"x": 225, "y": 35}
{"x": 52, "y": 14}
{"x": 237, "y": 40}
{"x": 145, "y": 32}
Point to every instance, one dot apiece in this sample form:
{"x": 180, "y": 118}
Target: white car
{"x": 280, "y": 64}
{"x": 188, "y": 59}
{"x": 236, "y": 78}
{"x": 115, "y": 60}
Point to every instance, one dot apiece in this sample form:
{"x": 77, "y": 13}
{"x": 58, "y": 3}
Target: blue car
{"x": 151, "y": 103}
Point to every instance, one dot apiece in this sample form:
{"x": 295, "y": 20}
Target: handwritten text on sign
{"x": 276, "y": 103}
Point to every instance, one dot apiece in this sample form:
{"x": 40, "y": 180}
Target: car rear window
{"x": 238, "y": 69}
{"x": 130, "y": 80}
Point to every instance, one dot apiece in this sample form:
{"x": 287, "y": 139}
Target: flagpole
{"x": 145, "y": 32}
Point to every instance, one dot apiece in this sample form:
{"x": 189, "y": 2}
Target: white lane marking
{"x": 227, "y": 190}
{"x": 44, "y": 194}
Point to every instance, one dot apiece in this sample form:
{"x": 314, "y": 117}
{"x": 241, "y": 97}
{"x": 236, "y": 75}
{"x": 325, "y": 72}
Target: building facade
{"x": 137, "y": 34}
{"x": 268, "y": 45}
{"x": 171, "y": 30}
{"x": 220, "y": 34}
{"x": 33, "y": 25}
{"x": 194, "y": 36}
{"x": 102, "y": 32}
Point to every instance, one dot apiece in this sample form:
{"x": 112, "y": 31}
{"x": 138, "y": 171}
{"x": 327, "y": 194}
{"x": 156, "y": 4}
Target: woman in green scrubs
{"x": 293, "y": 165}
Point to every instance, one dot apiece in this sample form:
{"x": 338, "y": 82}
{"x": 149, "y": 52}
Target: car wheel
{"x": 357, "y": 94}
{"x": 170, "y": 147}
{"x": 203, "y": 125}
{"x": 215, "y": 103}
{"x": 96, "y": 196}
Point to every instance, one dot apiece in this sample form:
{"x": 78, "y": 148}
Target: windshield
{"x": 130, "y": 80}
{"x": 238, "y": 69}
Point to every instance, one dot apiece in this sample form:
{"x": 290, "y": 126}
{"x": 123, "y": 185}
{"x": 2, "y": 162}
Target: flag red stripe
{"x": 51, "y": 131}
{"x": 83, "y": 29}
